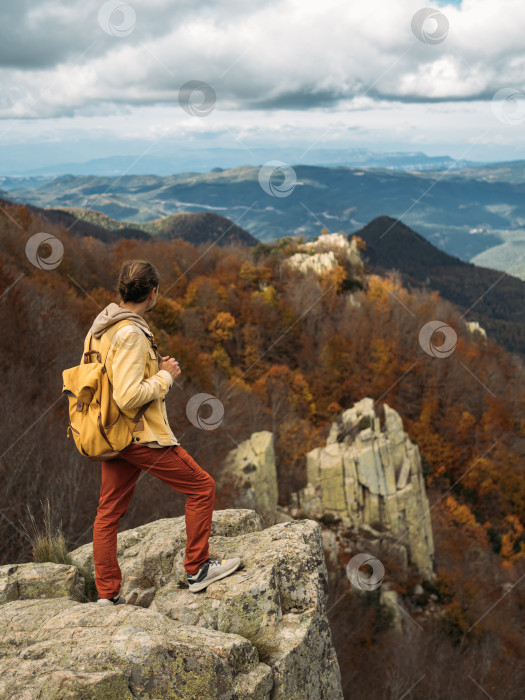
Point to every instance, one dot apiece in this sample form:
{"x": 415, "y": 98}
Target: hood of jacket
{"x": 112, "y": 314}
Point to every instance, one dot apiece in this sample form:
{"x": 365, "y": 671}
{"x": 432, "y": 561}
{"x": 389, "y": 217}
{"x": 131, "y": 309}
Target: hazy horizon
{"x": 197, "y": 160}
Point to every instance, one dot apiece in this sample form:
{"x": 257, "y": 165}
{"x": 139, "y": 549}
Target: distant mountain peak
{"x": 199, "y": 227}
{"x": 392, "y": 244}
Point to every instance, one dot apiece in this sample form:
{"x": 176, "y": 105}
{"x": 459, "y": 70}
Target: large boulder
{"x": 147, "y": 553}
{"x": 40, "y": 580}
{"x": 275, "y": 601}
{"x": 372, "y": 479}
{"x": 249, "y": 476}
{"x": 59, "y": 648}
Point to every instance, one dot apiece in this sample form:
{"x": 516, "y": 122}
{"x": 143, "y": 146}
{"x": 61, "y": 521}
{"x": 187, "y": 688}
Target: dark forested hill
{"x": 195, "y": 228}
{"x": 198, "y": 228}
{"x": 493, "y": 298}
{"x": 77, "y": 225}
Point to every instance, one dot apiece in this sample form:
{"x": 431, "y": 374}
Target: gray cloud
{"x": 56, "y": 60}
{"x": 43, "y": 33}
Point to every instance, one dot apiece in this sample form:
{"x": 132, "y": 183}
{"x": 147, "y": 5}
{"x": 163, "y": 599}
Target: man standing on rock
{"x": 137, "y": 378}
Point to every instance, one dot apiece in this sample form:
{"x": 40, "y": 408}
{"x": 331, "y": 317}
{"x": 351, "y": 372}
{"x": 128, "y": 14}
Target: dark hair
{"x": 136, "y": 280}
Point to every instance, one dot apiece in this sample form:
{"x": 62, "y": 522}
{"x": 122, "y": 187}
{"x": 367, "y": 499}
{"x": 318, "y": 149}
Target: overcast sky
{"x": 300, "y": 73}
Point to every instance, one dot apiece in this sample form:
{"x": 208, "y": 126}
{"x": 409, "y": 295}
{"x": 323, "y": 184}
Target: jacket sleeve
{"x": 130, "y": 389}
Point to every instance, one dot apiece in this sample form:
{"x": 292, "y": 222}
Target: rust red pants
{"x": 175, "y": 467}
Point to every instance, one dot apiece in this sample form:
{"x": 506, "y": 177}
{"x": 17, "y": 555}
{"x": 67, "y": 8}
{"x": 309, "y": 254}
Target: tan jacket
{"x": 133, "y": 370}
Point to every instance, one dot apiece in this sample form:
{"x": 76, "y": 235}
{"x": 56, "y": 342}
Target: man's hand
{"x": 170, "y": 364}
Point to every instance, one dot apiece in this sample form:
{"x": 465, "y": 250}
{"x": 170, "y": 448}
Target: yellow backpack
{"x": 99, "y": 428}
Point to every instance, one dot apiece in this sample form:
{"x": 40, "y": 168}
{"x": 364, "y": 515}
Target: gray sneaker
{"x": 117, "y": 600}
{"x": 212, "y": 570}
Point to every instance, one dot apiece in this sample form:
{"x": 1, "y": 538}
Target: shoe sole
{"x": 107, "y": 603}
{"x": 204, "y": 584}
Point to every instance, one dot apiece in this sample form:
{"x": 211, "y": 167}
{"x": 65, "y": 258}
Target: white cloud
{"x": 289, "y": 53}
{"x": 285, "y": 71}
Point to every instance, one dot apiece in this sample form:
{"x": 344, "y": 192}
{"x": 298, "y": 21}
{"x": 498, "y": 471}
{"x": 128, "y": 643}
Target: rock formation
{"x": 46, "y": 580}
{"x": 249, "y": 475}
{"x": 58, "y": 648}
{"x": 474, "y": 327}
{"x": 260, "y": 633}
{"x": 325, "y": 252}
{"x": 373, "y": 482}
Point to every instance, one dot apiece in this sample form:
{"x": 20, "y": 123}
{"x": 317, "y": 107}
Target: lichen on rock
{"x": 58, "y": 648}
{"x": 40, "y": 580}
{"x": 260, "y": 633}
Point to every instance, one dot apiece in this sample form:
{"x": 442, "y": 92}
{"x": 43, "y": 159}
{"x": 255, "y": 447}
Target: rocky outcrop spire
{"x": 370, "y": 477}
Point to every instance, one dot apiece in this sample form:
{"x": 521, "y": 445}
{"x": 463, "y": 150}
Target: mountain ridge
{"x": 196, "y": 228}
{"x": 463, "y": 212}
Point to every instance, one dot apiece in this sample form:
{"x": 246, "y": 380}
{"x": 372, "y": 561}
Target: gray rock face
{"x": 324, "y": 253}
{"x": 260, "y": 633}
{"x": 277, "y": 601}
{"x": 58, "y": 648}
{"x": 147, "y": 554}
{"x": 250, "y": 476}
{"x": 366, "y": 476}
{"x": 45, "y": 580}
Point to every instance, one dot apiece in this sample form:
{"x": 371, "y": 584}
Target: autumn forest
{"x": 287, "y": 351}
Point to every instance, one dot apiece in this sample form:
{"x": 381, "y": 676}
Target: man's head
{"x": 138, "y": 286}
